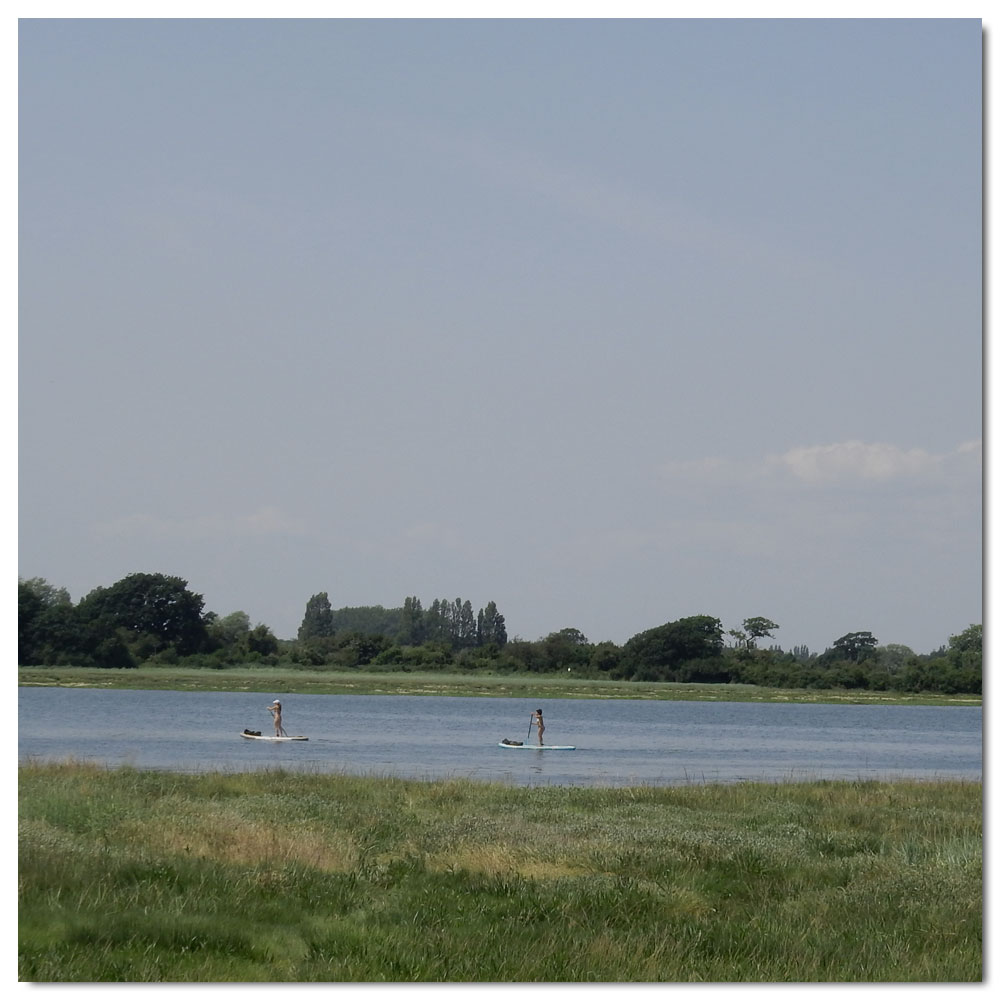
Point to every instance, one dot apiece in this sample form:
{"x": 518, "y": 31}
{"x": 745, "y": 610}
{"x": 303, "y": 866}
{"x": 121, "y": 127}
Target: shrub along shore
{"x": 289, "y": 680}
{"x": 138, "y": 876}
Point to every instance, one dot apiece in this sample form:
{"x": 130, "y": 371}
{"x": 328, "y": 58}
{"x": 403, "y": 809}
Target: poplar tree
{"x": 434, "y": 622}
{"x": 466, "y": 632}
{"x": 318, "y": 620}
{"x": 491, "y": 630}
{"x": 412, "y": 630}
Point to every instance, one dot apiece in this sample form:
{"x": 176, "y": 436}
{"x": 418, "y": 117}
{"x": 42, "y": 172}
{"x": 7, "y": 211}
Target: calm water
{"x": 618, "y": 742}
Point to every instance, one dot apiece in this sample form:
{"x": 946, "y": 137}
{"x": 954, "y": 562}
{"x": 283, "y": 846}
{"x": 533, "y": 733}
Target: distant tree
{"x": 262, "y": 640}
{"x": 968, "y": 641}
{"x": 30, "y": 608}
{"x": 412, "y": 631}
{"x": 357, "y": 649}
{"x": 892, "y": 658}
{"x": 965, "y": 652}
{"x": 855, "y": 646}
{"x": 566, "y": 649}
{"x": 659, "y": 653}
{"x": 372, "y": 619}
{"x": 48, "y": 628}
{"x": 757, "y": 628}
{"x": 742, "y": 640}
{"x": 153, "y": 610}
{"x": 53, "y": 634}
{"x": 956, "y": 670}
{"x": 490, "y": 627}
{"x": 523, "y": 655}
{"x": 605, "y": 657}
{"x": 317, "y": 622}
{"x": 465, "y": 632}
{"x": 434, "y": 623}
{"x": 500, "y": 630}
{"x": 111, "y": 651}
{"x": 47, "y": 594}
{"x": 426, "y": 656}
{"x": 231, "y": 630}
{"x": 452, "y": 622}
{"x": 449, "y": 621}
{"x": 753, "y": 629}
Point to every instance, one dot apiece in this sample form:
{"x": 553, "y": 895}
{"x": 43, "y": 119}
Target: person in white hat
{"x": 275, "y": 709}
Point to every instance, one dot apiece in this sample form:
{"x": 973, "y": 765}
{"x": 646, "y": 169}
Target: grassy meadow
{"x": 289, "y": 680}
{"x": 138, "y": 876}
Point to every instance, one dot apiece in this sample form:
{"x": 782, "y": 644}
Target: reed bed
{"x": 138, "y": 876}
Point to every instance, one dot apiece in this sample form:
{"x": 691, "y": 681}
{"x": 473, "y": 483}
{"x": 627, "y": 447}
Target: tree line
{"x": 154, "y": 618}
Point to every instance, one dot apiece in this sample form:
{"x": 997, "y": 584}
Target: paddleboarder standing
{"x": 536, "y": 720}
{"x": 275, "y": 709}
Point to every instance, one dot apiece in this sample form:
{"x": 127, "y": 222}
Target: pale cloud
{"x": 971, "y": 448}
{"x": 855, "y": 460}
{"x": 841, "y": 463}
{"x": 264, "y": 521}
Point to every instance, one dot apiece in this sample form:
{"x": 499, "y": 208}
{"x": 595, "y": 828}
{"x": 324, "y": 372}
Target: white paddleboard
{"x": 532, "y": 746}
{"x": 274, "y": 739}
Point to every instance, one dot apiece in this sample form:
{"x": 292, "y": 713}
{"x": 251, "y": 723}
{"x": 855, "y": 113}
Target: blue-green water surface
{"x": 619, "y": 742}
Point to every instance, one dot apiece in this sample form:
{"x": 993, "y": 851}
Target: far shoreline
{"x": 289, "y": 681}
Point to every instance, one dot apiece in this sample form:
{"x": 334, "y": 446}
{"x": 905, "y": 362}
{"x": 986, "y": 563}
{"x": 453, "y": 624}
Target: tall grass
{"x": 132, "y": 876}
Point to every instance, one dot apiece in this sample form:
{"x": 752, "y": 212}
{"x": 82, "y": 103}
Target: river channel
{"x": 618, "y": 742}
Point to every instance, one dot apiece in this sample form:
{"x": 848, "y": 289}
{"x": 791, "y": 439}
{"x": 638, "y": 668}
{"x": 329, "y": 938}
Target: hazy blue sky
{"x": 610, "y": 322}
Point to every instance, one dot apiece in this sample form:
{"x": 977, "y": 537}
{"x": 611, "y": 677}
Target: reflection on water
{"x": 619, "y": 742}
